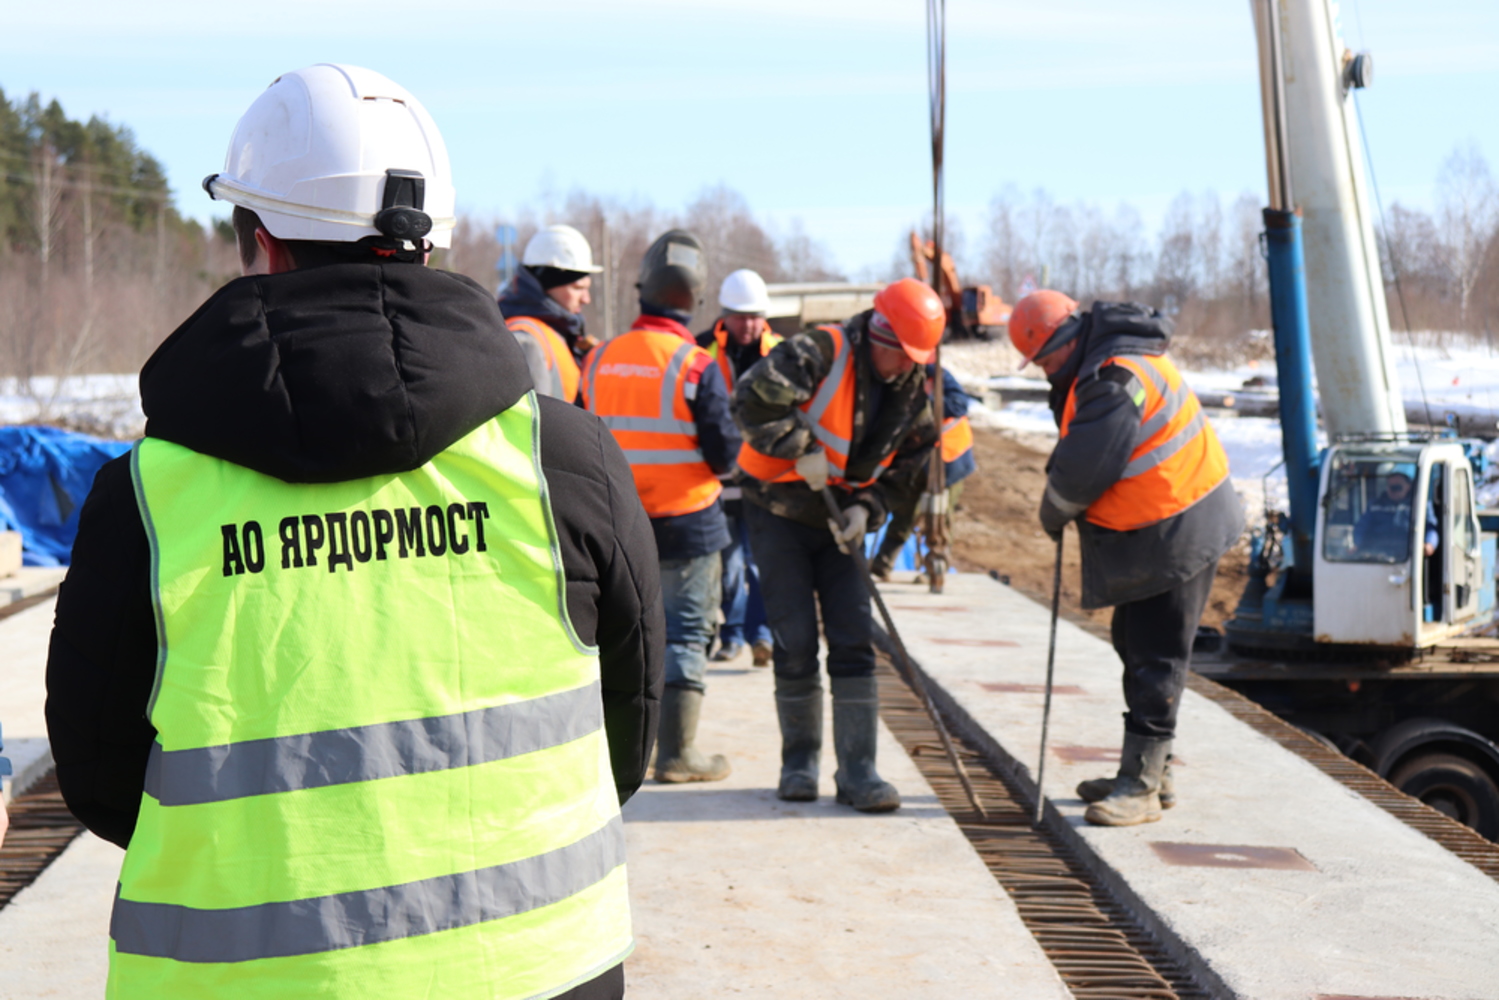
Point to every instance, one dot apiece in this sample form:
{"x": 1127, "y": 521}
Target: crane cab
{"x": 1400, "y": 557}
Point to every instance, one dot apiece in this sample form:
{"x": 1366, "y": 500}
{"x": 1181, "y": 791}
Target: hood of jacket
{"x": 1109, "y": 330}
{"x": 526, "y": 297}
{"x": 334, "y": 373}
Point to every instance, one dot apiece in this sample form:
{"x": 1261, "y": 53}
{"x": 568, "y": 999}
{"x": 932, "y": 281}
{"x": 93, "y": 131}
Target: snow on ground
{"x": 1451, "y": 371}
{"x": 105, "y": 405}
{"x": 1448, "y": 371}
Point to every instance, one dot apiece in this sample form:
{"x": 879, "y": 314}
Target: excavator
{"x": 973, "y": 311}
{"x": 1369, "y": 617}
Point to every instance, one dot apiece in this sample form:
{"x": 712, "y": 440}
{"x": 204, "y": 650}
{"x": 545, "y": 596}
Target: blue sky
{"x": 813, "y": 109}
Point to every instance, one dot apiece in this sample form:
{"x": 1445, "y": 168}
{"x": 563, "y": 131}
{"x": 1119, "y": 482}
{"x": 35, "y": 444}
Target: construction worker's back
{"x": 641, "y": 384}
{"x": 356, "y": 686}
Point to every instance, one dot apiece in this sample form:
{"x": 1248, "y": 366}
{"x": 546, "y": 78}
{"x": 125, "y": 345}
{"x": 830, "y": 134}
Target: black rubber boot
{"x": 856, "y": 723}
{"x": 677, "y": 760}
{"x": 1136, "y": 796}
{"x": 1101, "y": 788}
{"x": 799, "y": 707}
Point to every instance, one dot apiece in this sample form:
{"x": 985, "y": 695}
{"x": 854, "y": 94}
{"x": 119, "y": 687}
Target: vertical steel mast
{"x": 937, "y": 558}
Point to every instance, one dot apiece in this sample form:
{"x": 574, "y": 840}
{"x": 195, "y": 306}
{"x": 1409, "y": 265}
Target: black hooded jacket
{"x": 1124, "y": 566}
{"x": 325, "y": 375}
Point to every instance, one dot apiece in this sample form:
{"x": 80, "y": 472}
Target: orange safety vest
{"x": 957, "y": 438}
{"x": 1178, "y": 460}
{"x": 719, "y": 350}
{"x": 831, "y": 412}
{"x": 639, "y": 384}
{"x": 559, "y": 356}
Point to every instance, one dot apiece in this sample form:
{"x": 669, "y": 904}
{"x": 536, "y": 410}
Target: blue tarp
{"x": 45, "y": 474}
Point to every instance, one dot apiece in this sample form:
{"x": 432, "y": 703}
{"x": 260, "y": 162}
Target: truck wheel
{"x": 1453, "y": 786}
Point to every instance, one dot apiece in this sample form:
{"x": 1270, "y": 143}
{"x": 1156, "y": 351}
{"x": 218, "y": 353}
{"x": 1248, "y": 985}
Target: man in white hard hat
{"x": 738, "y": 340}
{"x": 543, "y": 307}
{"x": 358, "y": 693}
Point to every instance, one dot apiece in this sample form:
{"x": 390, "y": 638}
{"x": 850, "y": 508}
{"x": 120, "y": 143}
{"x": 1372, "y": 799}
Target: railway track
{"x": 1097, "y": 946}
{"x": 40, "y": 829}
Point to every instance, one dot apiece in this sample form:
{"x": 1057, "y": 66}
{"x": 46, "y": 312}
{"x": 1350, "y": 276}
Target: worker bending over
{"x": 958, "y": 464}
{"x": 840, "y": 408}
{"x": 739, "y": 339}
{"x": 1139, "y": 468}
{"x": 543, "y": 307}
{"x": 360, "y": 647}
{"x": 665, "y": 401}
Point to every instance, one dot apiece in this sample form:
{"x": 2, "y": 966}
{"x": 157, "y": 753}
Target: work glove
{"x": 813, "y": 467}
{"x": 856, "y": 525}
{"x": 1052, "y": 518}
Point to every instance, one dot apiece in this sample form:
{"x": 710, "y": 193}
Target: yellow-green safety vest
{"x": 381, "y": 767}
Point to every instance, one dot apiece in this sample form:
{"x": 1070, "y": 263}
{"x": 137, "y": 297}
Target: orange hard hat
{"x": 1035, "y": 318}
{"x": 915, "y": 314}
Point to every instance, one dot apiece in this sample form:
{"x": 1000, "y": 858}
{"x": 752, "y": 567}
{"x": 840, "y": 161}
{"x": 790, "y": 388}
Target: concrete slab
{"x": 736, "y": 892}
{"x": 1372, "y": 908}
{"x": 23, "y": 671}
{"x": 54, "y": 935}
{"x": 28, "y": 581}
{"x": 733, "y": 890}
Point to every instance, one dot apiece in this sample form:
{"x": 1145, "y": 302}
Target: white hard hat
{"x": 744, "y": 291}
{"x": 326, "y": 149}
{"x": 562, "y": 247}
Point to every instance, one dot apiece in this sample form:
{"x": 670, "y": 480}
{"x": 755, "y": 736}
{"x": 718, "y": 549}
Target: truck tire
{"x": 1454, "y": 786}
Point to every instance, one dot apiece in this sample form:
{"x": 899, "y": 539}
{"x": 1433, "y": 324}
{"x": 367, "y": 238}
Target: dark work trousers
{"x": 1154, "y": 639}
{"x": 801, "y": 569}
{"x": 609, "y": 986}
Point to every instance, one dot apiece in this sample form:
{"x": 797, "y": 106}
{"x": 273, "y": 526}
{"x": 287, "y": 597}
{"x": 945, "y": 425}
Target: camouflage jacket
{"x": 891, "y": 417}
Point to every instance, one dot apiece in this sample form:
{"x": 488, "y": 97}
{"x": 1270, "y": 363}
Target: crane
{"x": 1373, "y": 632}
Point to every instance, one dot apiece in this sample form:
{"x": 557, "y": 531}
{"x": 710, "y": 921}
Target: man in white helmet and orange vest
{"x": 1139, "y": 469}
{"x": 359, "y": 647}
{"x": 665, "y": 402}
{"x": 740, "y": 337}
{"x": 841, "y": 408}
{"x": 543, "y": 307}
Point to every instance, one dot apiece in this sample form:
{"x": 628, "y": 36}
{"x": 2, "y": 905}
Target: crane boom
{"x": 1350, "y": 327}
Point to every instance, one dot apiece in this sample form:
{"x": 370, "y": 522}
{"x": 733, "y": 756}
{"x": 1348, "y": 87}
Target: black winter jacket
{"x": 1124, "y": 566}
{"x": 325, "y": 375}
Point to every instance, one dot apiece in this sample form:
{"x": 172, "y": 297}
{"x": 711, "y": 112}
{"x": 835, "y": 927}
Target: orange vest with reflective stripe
{"x": 831, "y": 412}
{"x": 559, "y": 356}
{"x": 957, "y": 438}
{"x": 1177, "y": 461}
{"x": 719, "y": 350}
{"x": 639, "y": 384}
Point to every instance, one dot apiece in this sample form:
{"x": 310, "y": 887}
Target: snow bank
{"x": 104, "y": 405}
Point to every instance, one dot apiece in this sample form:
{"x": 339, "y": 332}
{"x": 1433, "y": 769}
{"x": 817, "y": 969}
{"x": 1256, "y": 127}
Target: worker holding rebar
{"x": 664, "y": 400}
{"x": 1139, "y": 469}
{"x": 740, "y": 337}
{"x": 958, "y": 464}
{"x": 361, "y": 646}
{"x": 543, "y": 307}
{"x": 840, "y": 408}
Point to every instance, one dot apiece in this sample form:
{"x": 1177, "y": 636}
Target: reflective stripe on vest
{"x": 380, "y": 752}
{"x": 639, "y": 384}
{"x": 830, "y": 411}
{"x": 1177, "y": 460}
{"x": 719, "y": 350}
{"x": 957, "y": 438}
{"x": 559, "y": 356}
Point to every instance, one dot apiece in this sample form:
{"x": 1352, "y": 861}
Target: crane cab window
{"x": 1369, "y": 511}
